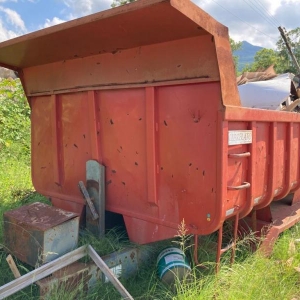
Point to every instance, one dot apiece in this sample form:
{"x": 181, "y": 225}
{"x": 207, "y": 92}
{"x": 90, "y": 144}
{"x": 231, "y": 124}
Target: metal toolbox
{"x": 39, "y": 233}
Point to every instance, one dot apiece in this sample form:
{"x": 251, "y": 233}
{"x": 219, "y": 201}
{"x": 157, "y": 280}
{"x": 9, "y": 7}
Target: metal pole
{"x": 284, "y": 37}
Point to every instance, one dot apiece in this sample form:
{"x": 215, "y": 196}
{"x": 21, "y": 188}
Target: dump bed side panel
{"x": 273, "y": 165}
{"x": 158, "y": 146}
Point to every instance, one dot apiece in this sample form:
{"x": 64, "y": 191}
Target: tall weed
{"x": 14, "y": 120}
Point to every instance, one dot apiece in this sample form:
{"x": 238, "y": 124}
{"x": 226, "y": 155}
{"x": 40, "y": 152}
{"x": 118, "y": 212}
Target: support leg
{"x": 296, "y": 197}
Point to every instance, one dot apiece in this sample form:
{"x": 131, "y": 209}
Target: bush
{"x": 14, "y": 120}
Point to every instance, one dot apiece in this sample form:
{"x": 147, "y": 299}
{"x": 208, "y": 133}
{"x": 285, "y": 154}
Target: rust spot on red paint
{"x": 132, "y": 255}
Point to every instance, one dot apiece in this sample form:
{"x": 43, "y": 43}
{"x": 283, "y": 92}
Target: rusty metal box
{"x": 39, "y": 233}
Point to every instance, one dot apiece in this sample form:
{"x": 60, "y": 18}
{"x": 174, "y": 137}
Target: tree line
{"x": 278, "y": 57}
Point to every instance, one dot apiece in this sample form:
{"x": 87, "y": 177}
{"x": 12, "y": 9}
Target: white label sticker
{"x": 173, "y": 257}
{"x": 117, "y": 271}
{"x": 239, "y": 137}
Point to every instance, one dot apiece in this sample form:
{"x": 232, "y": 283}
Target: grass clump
{"x": 252, "y": 277}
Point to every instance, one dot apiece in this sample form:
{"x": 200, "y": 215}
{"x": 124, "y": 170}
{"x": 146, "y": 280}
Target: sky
{"x": 255, "y": 21}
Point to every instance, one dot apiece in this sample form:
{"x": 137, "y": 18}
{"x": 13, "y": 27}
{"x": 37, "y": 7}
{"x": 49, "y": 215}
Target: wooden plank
{"x": 13, "y": 266}
{"x": 108, "y": 273}
{"x": 41, "y": 272}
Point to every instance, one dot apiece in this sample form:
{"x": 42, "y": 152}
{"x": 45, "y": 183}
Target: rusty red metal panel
{"x": 235, "y": 113}
{"x": 123, "y": 140}
{"x": 237, "y": 173}
{"x": 144, "y": 65}
{"x": 295, "y": 177}
{"x": 134, "y": 21}
{"x": 249, "y": 203}
{"x": 286, "y": 180}
{"x": 93, "y": 126}
{"x": 40, "y": 216}
{"x": 261, "y": 151}
{"x": 187, "y": 166}
{"x": 284, "y": 216}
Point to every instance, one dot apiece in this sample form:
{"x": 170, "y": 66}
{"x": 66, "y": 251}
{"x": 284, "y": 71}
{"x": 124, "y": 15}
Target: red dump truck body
{"x": 149, "y": 91}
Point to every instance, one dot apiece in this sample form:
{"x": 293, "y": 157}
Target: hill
{"x": 246, "y": 54}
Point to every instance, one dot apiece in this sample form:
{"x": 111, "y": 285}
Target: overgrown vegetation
{"x": 234, "y": 47}
{"x": 14, "y": 120}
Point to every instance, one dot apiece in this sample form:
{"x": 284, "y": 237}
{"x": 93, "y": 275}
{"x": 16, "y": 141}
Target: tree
{"x": 263, "y": 59}
{"x": 286, "y": 61}
{"x": 14, "y": 119}
{"x": 121, "y": 2}
{"x": 280, "y": 58}
{"x": 234, "y": 47}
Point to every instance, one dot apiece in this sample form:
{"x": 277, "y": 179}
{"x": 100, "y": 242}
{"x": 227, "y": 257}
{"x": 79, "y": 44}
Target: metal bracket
{"x": 95, "y": 185}
{"x": 88, "y": 200}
